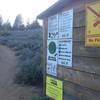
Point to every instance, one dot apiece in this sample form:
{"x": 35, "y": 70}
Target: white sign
{"x": 66, "y": 24}
{"x": 53, "y": 27}
{"x": 65, "y": 52}
{"x": 52, "y": 52}
{"x": 52, "y": 68}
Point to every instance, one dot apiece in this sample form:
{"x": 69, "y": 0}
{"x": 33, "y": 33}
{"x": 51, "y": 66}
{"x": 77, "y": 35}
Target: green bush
{"x": 4, "y": 33}
{"x": 28, "y": 48}
{"x": 38, "y": 97}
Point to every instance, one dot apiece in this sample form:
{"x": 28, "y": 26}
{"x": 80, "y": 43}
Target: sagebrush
{"x": 28, "y": 48}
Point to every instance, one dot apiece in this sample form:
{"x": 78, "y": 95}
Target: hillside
{"x": 28, "y": 50}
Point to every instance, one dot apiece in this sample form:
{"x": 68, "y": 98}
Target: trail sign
{"x": 53, "y": 27}
{"x": 52, "y": 51}
{"x": 66, "y": 24}
{"x": 93, "y": 24}
{"x": 54, "y": 88}
{"x": 65, "y": 52}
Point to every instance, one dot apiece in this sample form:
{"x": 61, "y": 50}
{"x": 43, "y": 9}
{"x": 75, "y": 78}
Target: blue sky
{"x": 28, "y": 8}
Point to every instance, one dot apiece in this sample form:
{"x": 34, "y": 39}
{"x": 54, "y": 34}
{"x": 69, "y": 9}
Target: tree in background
{"x": 34, "y": 25}
{"x": 1, "y": 20}
{"x": 6, "y": 26}
{"x": 27, "y": 24}
{"x": 18, "y": 23}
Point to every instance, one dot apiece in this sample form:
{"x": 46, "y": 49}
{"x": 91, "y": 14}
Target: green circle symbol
{"x": 52, "y": 47}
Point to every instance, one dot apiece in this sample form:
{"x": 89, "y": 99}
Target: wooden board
{"x": 89, "y": 80}
{"x": 80, "y": 50}
{"x": 86, "y": 64}
{"x": 76, "y": 92}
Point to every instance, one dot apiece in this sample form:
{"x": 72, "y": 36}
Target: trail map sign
{"x": 93, "y": 24}
{"x": 54, "y": 88}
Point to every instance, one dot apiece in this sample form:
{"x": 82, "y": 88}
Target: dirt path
{"x": 8, "y": 90}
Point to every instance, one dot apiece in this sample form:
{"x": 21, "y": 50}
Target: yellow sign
{"x": 54, "y": 88}
{"x": 93, "y": 24}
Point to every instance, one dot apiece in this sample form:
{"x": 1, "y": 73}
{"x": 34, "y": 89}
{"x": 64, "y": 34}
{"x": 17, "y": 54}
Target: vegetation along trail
{"x": 9, "y": 90}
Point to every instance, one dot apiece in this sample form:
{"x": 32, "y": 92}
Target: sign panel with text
{"x": 93, "y": 24}
{"x": 65, "y": 52}
{"x": 54, "y": 88}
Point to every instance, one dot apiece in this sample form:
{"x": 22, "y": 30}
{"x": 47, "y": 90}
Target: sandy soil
{"x": 9, "y": 90}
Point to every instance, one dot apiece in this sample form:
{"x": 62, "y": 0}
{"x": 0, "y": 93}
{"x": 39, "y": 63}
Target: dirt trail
{"x": 9, "y": 90}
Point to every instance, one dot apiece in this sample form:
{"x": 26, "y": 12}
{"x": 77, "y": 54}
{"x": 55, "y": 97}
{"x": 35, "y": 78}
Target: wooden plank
{"x": 79, "y": 18}
{"x": 91, "y": 65}
{"x": 76, "y": 92}
{"x": 84, "y": 79}
{"x": 79, "y": 34}
{"x": 79, "y": 49}
{"x": 44, "y": 53}
{"x": 60, "y": 72}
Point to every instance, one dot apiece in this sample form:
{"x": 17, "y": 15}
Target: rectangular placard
{"x": 65, "y": 52}
{"x": 66, "y": 24}
{"x": 53, "y": 27}
{"x": 54, "y": 88}
{"x": 93, "y": 24}
{"x": 52, "y": 53}
{"x": 51, "y": 68}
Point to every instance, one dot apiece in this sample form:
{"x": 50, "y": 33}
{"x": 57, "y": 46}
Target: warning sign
{"x": 93, "y": 24}
{"x": 54, "y": 88}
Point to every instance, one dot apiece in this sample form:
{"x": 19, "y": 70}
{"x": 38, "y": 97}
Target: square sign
{"x": 54, "y": 88}
{"x": 53, "y": 27}
{"x": 52, "y": 68}
{"x": 66, "y": 24}
{"x": 65, "y": 52}
{"x": 93, "y": 24}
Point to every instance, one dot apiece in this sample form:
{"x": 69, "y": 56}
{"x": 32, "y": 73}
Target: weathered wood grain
{"x": 79, "y": 49}
{"x": 79, "y": 34}
{"x": 79, "y": 19}
{"x": 76, "y": 92}
{"x": 82, "y": 78}
{"x": 87, "y": 64}
{"x": 45, "y": 22}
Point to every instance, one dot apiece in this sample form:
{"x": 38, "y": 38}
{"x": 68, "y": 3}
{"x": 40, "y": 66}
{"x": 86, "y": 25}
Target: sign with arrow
{"x": 93, "y": 24}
